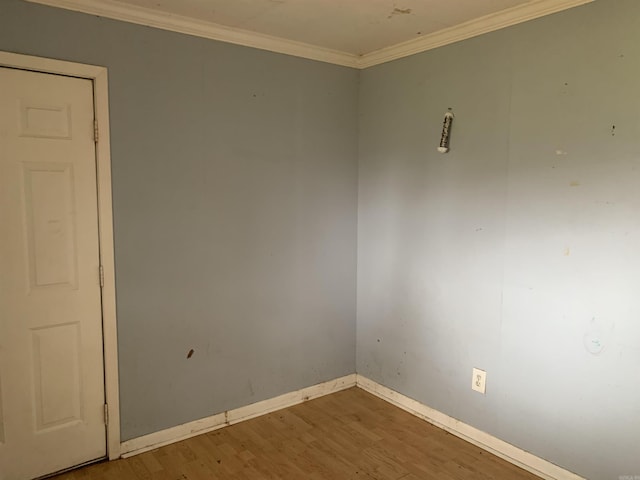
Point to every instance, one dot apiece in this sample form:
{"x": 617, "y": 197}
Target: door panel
{"x": 56, "y": 368}
{"x": 51, "y": 358}
{"x": 50, "y": 223}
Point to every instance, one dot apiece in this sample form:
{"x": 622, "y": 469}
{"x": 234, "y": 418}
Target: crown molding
{"x": 200, "y": 28}
{"x": 489, "y": 23}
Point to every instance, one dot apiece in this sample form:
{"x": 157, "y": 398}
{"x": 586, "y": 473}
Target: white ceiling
{"x": 356, "y": 33}
{"x": 352, "y": 26}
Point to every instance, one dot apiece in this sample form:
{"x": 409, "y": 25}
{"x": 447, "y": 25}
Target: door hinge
{"x": 101, "y": 274}
{"x": 95, "y": 131}
{"x": 106, "y": 414}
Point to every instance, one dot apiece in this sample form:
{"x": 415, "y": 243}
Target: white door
{"x": 51, "y": 348}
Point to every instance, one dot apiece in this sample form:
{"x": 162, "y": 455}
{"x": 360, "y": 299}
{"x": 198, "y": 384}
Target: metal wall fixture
{"x": 446, "y": 132}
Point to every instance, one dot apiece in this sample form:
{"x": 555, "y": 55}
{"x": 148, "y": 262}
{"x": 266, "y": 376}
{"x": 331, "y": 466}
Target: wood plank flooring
{"x": 347, "y": 435}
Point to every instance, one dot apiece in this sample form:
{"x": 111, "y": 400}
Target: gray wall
{"x": 517, "y": 252}
{"x": 234, "y": 182}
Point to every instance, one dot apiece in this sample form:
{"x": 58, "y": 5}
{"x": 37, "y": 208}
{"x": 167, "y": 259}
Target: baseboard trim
{"x": 500, "y": 448}
{"x": 155, "y": 440}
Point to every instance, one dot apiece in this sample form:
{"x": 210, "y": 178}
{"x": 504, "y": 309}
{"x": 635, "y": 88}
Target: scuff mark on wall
{"x": 596, "y": 337}
{"x": 399, "y": 11}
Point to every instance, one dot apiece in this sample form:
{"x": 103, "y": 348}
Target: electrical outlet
{"x": 479, "y": 380}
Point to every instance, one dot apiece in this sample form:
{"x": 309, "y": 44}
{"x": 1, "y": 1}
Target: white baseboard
{"x": 204, "y": 425}
{"x": 500, "y": 448}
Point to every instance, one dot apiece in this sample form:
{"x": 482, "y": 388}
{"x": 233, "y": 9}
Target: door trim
{"x": 98, "y": 75}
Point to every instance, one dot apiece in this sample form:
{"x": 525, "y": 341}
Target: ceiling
{"x": 357, "y": 33}
{"x": 351, "y": 26}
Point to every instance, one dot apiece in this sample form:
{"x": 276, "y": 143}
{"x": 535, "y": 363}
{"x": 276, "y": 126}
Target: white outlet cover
{"x": 479, "y": 380}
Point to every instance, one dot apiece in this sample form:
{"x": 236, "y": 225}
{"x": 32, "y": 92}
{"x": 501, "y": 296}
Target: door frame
{"x": 98, "y": 76}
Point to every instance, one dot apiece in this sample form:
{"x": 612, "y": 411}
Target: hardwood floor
{"x": 347, "y": 435}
